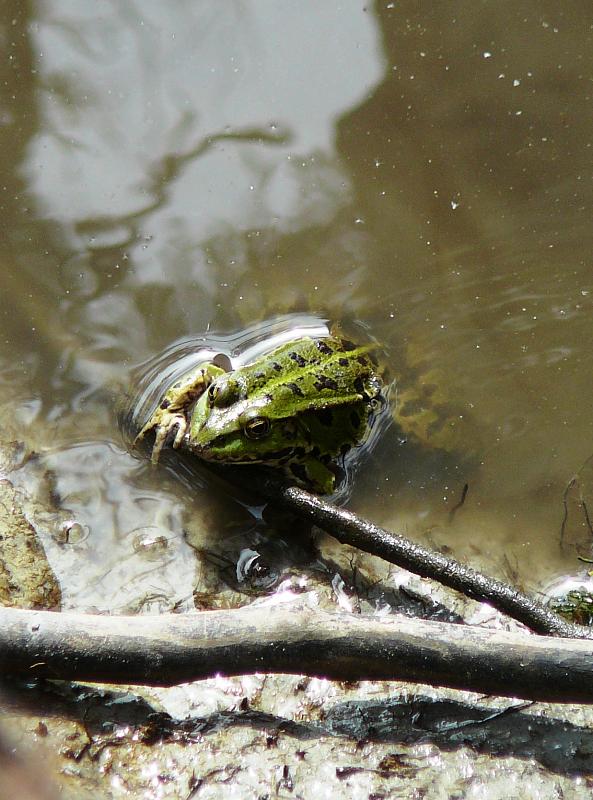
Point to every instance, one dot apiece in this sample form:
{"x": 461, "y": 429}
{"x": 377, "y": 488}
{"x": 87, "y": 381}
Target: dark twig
{"x": 565, "y": 497}
{"x": 460, "y": 502}
{"x": 350, "y": 529}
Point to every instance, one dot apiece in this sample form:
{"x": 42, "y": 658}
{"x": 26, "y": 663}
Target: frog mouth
{"x": 210, "y": 453}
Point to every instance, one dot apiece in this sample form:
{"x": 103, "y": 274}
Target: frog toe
{"x": 181, "y": 425}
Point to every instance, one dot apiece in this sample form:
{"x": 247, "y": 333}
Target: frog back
{"x": 312, "y": 374}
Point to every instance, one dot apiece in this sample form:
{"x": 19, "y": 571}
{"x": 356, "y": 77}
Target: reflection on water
{"x": 129, "y": 553}
{"x": 170, "y": 173}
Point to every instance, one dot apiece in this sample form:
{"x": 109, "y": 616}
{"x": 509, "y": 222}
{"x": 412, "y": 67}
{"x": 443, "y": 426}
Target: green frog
{"x": 298, "y": 407}
{"x": 575, "y": 606}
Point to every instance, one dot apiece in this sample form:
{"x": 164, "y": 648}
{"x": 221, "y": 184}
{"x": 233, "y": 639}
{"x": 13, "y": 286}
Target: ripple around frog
{"x": 150, "y": 380}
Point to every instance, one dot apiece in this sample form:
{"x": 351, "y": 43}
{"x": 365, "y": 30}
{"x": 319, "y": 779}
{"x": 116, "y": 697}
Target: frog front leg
{"x": 314, "y": 475}
{"x": 173, "y": 411}
{"x": 162, "y": 431}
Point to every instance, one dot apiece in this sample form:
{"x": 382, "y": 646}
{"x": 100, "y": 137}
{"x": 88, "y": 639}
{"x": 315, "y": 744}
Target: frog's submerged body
{"x": 298, "y": 407}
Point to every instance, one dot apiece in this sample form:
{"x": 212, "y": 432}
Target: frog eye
{"x": 257, "y": 427}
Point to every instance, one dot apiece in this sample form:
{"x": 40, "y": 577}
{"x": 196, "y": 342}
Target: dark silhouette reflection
{"x": 31, "y": 248}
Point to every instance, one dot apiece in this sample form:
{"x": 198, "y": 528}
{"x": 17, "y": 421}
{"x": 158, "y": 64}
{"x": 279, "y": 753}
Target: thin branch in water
{"x": 460, "y": 503}
{"x": 565, "y": 494}
{"x": 350, "y": 529}
{"x": 587, "y": 517}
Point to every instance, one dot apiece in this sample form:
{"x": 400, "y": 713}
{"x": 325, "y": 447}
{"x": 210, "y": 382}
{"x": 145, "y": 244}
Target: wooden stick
{"x": 353, "y": 530}
{"x": 292, "y": 638}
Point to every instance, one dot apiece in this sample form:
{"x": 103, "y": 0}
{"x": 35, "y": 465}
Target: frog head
{"x": 234, "y": 423}
{"x": 231, "y": 424}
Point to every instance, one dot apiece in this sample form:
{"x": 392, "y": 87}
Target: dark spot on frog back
{"x": 259, "y": 379}
{"x": 295, "y": 389}
{"x": 359, "y": 386}
{"x": 298, "y": 359}
{"x": 325, "y": 382}
{"x": 323, "y": 347}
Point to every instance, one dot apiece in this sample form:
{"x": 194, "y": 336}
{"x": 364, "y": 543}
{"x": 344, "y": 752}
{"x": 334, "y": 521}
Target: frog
{"x": 575, "y": 606}
{"x": 297, "y": 408}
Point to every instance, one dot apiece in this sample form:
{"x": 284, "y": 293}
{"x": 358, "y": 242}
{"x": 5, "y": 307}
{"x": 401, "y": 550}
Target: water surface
{"x": 428, "y": 173}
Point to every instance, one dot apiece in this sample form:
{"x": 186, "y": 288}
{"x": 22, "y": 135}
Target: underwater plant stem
{"x": 292, "y": 638}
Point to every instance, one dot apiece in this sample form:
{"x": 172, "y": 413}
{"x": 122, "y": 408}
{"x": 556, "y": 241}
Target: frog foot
{"x": 175, "y": 407}
{"x": 163, "y": 427}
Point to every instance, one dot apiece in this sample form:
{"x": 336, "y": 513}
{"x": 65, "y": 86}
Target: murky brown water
{"x": 174, "y": 169}
{"x": 427, "y": 174}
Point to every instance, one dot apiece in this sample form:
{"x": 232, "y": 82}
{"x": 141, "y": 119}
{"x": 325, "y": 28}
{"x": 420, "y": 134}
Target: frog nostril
{"x": 213, "y": 392}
